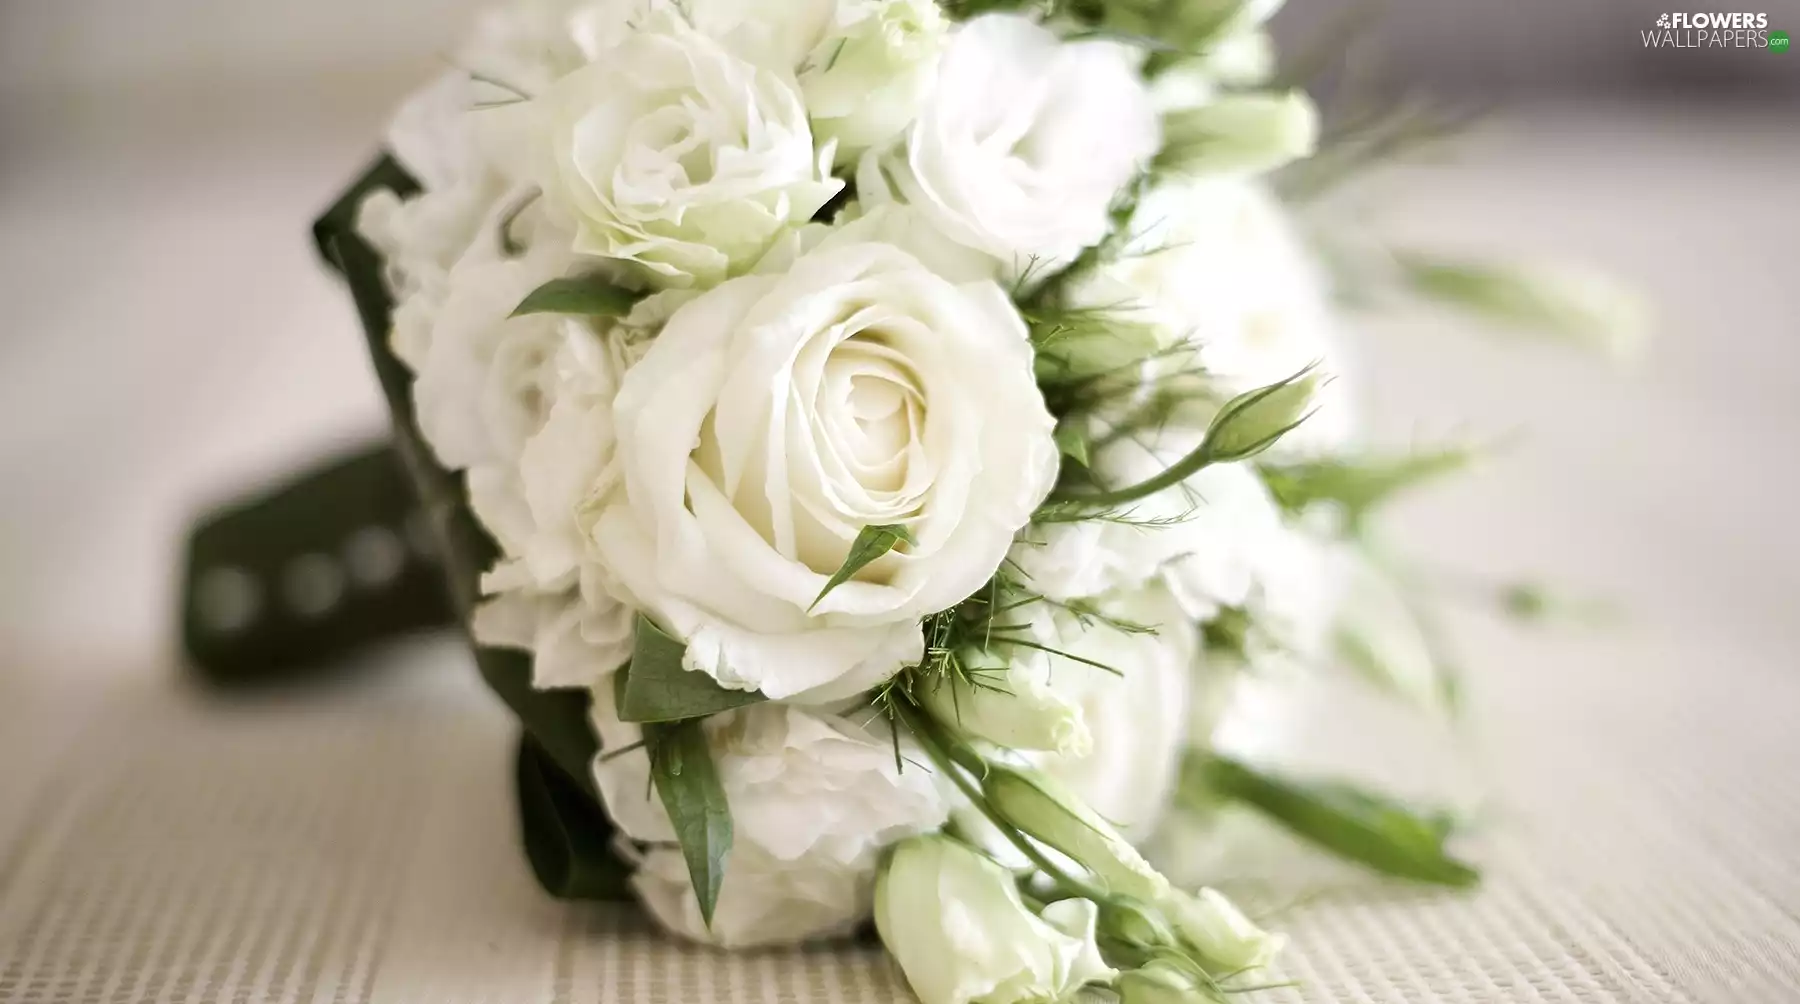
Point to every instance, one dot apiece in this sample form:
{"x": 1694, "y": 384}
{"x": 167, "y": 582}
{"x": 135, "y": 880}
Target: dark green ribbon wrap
{"x": 301, "y": 578}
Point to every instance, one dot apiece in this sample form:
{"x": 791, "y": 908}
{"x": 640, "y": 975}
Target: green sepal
{"x": 871, "y": 543}
{"x": 681, "y": 766}
{"x": 656, "y": 687}
{"x": 1372, "y": 830}
{"x": 568, "y": 839}
{"x": 591, "y": 295}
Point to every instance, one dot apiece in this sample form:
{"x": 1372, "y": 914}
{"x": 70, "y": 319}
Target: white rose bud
{"x": 1044, "y": 809}
{"x": 675, "y": 154}
{"x": 1024, "y": 142}
{"x": 864, "y": 85}
{"x": 954, "y": 921}
{"x": 1251, "y": 423}
{"x": 1215, "y": 928}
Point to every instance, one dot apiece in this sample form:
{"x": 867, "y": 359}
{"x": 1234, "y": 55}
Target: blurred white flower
{"x": 1215, "y": 271}
{"x": 1023, "y": 143}
{"x": 865, "y": 82}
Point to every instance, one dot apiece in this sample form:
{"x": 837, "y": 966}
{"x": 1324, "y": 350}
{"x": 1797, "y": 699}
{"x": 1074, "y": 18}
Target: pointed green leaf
{"x": 1370, "y": 829}
{"x": 871, "y": 543}
{"x": 1361, "y": 485}
{"x": 592, "y": 295}
{"x": 656, "y": 687}
{"x": 681, "y": 766}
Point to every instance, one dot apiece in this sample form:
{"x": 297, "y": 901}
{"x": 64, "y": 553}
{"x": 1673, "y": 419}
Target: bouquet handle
{"x": 295, "y": 579}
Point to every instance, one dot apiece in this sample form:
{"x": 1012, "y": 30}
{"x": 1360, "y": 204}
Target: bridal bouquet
{"x": 890, "y": 429}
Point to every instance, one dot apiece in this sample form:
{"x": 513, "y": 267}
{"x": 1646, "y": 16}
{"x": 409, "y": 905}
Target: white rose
{"x": 1025, "y": 141}
{"x": 763, "y": 901}
{"x": 1214, "y": 266}
{"x": 1207, "y": 539}
{"x": 802, "y": 786}
{"x": 865, "y": 82}
{"x": 778, "y": 415}
{"x": 675, "y": 154}
{"x": 954, "y": 921}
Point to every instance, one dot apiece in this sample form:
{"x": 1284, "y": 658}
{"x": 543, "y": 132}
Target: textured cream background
{"x": 166, "y": 336}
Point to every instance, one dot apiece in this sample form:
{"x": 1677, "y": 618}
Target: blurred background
{"x": 167, "y": 340}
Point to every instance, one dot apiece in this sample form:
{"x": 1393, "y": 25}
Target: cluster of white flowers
{"x": 812, "y": 246}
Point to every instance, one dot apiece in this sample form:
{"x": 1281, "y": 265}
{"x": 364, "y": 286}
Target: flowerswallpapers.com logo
{"x": 1714, "y": 31}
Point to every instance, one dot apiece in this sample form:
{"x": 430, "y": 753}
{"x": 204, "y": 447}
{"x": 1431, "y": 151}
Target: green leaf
{"x": 592, "y": 295}
{"x": 656, "y": 687}
{"x": 871, "y": 543}
{"x": 568, "y": 837}
{"x": 1367, "y": 828}
{"x": 1360, "y": 485}
{"x": 681, "y": 766}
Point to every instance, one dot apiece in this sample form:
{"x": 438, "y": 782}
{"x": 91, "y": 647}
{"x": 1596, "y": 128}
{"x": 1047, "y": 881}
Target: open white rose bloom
{"x": 898, "y": 426}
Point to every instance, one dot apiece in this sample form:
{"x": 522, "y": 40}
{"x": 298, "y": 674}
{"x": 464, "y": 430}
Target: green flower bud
{"x": 1137, "y": 923}
{"x": 1239, "y": 133}
{"x": 1045, "y": 810}
{"x": 1252, "y": 422}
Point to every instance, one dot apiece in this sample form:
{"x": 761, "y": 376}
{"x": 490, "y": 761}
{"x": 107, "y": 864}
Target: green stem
{"x": 1199, "y": 458}
{"x": 949, "y": 763}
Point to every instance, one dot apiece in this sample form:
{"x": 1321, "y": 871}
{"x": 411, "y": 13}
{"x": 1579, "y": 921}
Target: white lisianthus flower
{"x": 1207, "y": 539}
{"x": 523, "y": 46}
{"x": 577, "y": 636}
{"x": 1024, "y": 142}
{"x": 779, "y": 415}
{"x": 1137, "y": 715}
{"x": 1214, "y": 266}
{"x": 954, "y": 921}
{"x": 491, "y": 398}
{"x": 864, "y": 84}
{"x": 764, "y": 900}
{"x": 1098, "y": 694}
{"x": 673, "y": 153}
{"x": 802, "y": 786}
